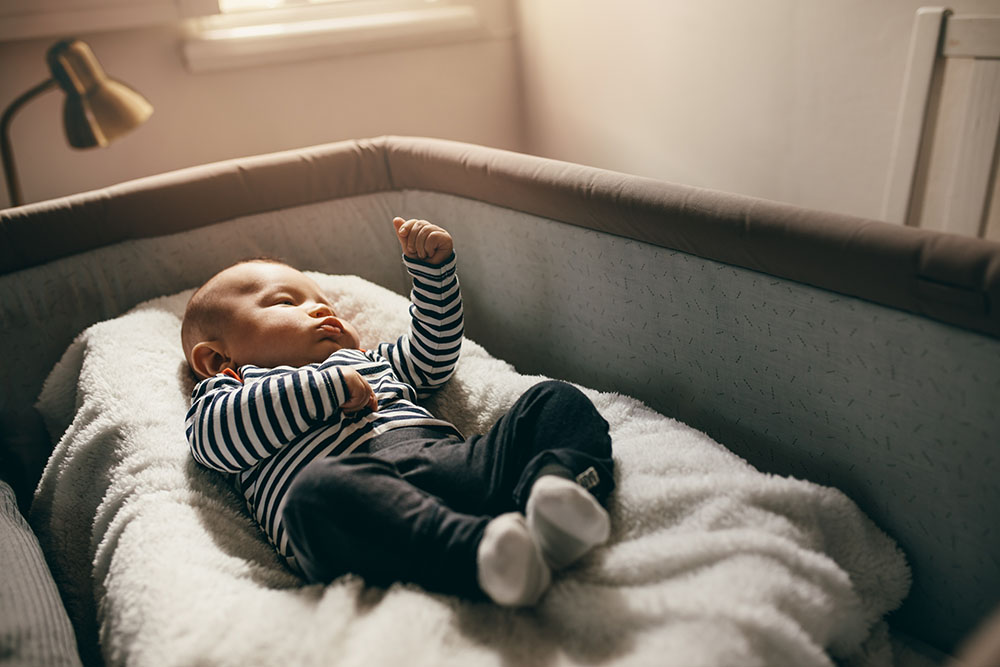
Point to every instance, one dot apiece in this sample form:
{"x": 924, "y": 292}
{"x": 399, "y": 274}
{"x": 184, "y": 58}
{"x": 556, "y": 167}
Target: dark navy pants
{"x": 415, "y": 509}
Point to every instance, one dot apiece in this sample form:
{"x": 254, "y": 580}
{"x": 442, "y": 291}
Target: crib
{"x": 851, "y": 353}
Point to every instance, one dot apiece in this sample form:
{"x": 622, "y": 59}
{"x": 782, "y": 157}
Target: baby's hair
{"x": 205, "y": 311}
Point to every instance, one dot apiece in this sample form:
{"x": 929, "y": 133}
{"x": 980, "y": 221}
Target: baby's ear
{"x": 209, "y": 359}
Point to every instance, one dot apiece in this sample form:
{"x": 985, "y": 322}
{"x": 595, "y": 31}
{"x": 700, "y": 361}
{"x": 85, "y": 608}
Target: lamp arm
{"x": 13, "y": 187}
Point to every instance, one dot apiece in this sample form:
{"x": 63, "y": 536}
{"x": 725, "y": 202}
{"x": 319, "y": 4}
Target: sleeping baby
{"x": 343, "y": 469}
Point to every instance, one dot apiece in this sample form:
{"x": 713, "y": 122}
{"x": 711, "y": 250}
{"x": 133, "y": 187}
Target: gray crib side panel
{"x": 898, "y": 411}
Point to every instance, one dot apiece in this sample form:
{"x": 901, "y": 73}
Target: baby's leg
{"x": 553, "y": 429}
{"x": 359, "y": 514}
{"x": 552, "y": 456}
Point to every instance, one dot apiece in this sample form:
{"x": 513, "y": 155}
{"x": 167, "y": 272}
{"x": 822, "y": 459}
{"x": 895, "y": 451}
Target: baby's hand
{"x": 422, "y": 240}
{"x": 360, "y": 394}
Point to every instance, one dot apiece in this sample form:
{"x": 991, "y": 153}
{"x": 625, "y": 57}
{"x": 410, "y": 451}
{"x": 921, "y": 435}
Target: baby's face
{"x": 278, "y": 316}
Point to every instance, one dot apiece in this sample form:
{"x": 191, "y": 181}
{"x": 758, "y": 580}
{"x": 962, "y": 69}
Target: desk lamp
{"x": 97, "y": 111}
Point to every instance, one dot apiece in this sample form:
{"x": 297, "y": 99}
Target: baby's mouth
{"x": 331, "y": 325}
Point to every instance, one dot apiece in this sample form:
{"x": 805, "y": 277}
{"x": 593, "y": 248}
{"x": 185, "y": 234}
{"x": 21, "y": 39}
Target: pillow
{"x": 34, "y": 627}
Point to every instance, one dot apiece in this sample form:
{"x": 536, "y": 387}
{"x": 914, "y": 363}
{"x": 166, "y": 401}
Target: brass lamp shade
{"x": 98, "y": 109}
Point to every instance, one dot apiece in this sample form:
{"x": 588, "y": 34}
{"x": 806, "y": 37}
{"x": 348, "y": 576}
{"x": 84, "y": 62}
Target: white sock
{"x": 510, "y": 568}
{"x": 565, "y": 520}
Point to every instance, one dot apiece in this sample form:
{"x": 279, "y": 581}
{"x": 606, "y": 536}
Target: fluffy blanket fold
{"x": 710, "y": 562}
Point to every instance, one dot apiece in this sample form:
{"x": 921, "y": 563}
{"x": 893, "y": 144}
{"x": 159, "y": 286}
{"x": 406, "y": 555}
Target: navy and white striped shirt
{"x": 269, "y": 426}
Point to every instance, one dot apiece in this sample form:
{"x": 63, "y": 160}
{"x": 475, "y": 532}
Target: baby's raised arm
{"x": 426, "y": 357}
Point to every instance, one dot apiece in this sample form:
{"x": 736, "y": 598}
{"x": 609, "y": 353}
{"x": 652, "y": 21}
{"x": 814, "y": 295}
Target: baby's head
{"x": 261, "y": 312}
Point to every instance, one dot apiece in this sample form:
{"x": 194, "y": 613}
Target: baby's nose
{"x": 321, "y": 310}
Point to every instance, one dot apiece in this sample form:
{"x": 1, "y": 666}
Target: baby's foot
{"x": 565, "y": 520}
{"x": 510, "y": 568}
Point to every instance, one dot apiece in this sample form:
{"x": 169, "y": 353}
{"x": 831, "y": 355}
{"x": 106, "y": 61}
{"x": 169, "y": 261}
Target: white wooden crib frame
{"x": 965, "y": 187}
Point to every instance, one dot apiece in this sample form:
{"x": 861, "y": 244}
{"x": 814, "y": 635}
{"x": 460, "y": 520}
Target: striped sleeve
{"x": 232, "y": 426}
{"x": 426, "y": 357}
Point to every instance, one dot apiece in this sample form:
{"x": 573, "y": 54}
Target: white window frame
{"x": 214, "y": 40}
{"x": 347, "y": 27}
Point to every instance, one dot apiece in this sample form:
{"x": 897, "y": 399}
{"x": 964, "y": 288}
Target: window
{"x": 231, "y": 6}
{"x": 236, "y": 33}
{"x": 254, "y": 32}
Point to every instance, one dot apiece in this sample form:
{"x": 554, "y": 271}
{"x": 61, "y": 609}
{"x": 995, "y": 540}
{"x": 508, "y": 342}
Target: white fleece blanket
{"x": 710, "y": 562}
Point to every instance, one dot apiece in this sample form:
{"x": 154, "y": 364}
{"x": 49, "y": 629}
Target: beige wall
{"x": 461, "y": 91}
{"x": 793, "y": 100}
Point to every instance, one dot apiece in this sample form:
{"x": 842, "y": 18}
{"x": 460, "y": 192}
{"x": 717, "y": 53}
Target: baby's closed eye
{"x": 282, "y": 299}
